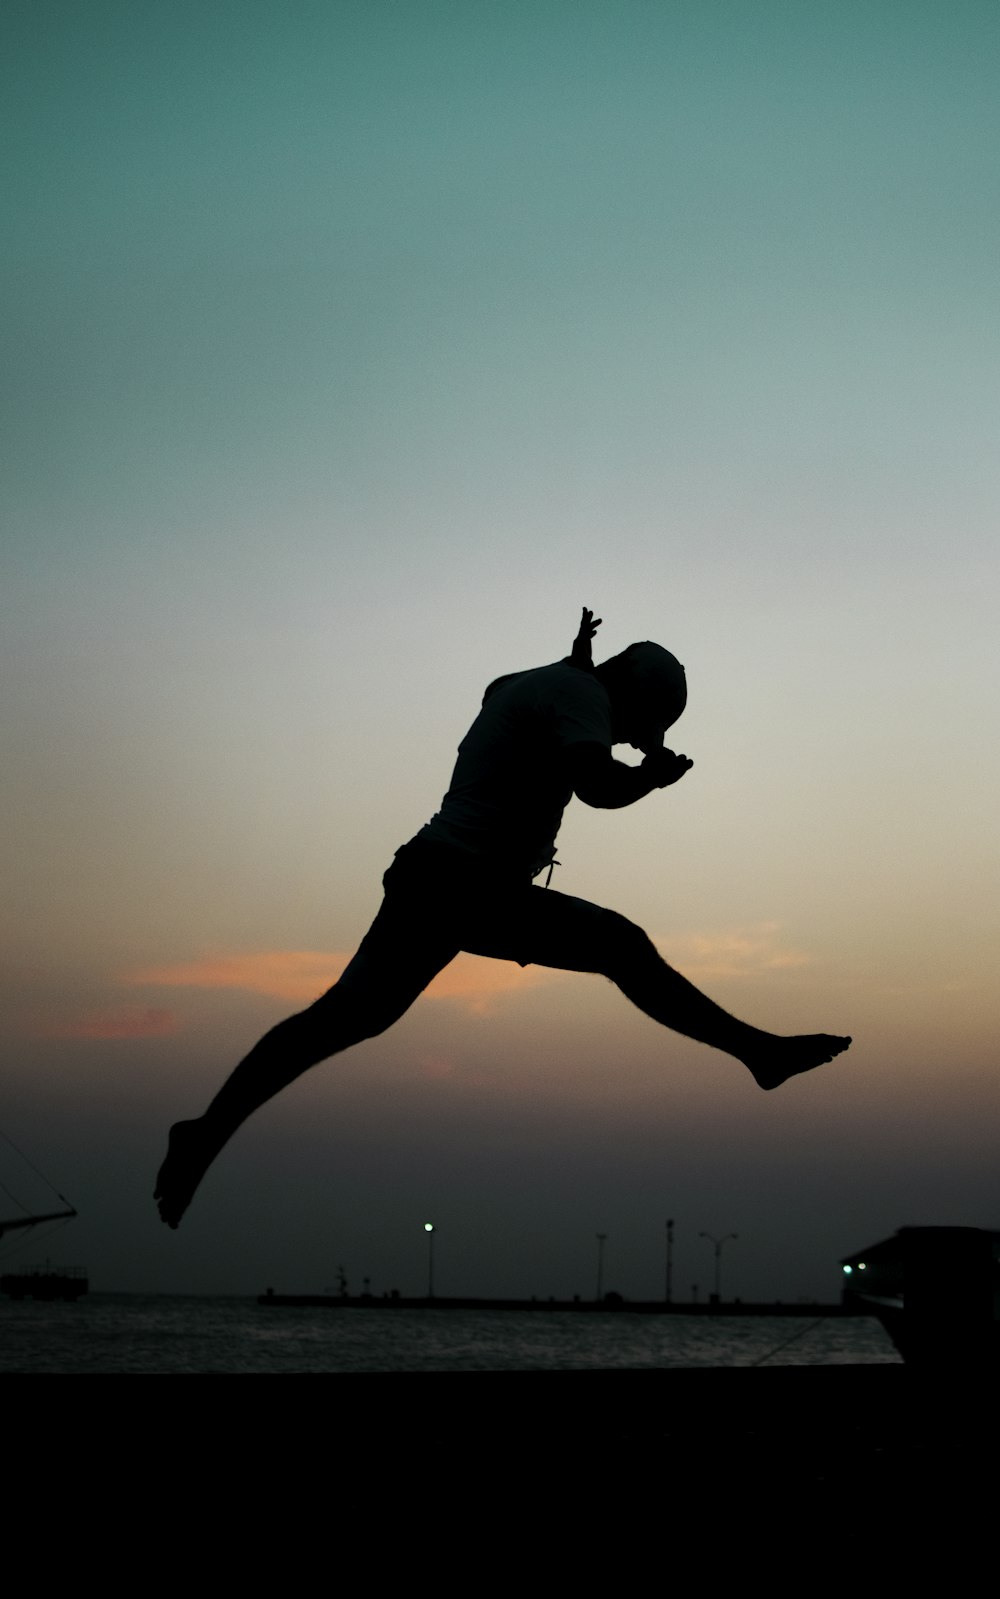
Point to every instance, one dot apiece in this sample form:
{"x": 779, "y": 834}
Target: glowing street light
{"x": 718, "y": 1242}
{"x": 429, "y": 1230}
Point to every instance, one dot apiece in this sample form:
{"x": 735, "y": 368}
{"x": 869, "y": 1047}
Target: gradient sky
{"x": 350, "y": 347}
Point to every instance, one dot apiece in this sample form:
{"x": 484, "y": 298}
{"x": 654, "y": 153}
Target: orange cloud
{"x": 116, "y": 1021}
{"x": 300, "y": 976}
{"x": 478, "y": 983}
{"x": 296, "y": 975}
{"x": 737, "y": 952}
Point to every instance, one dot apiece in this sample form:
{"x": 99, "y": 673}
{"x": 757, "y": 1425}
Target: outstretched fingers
{"x": 581, "y": 654}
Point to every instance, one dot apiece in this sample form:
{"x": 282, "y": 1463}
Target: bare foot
{"x": 189, "y": 1155}
{"x": 777, "y": 1059}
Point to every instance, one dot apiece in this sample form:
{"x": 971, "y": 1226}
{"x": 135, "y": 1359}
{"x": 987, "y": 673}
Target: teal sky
{"x": 351, "y": 348}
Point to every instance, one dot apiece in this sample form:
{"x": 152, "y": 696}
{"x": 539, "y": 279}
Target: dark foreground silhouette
{"x": 466, "y": 882}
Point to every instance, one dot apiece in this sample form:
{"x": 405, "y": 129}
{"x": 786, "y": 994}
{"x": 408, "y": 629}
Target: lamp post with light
{"x": 718, "y": 1242}
{"x": 429, "y": 1230}
{"x": 600, "y": 1264}
{"x": 668, "y": 1283}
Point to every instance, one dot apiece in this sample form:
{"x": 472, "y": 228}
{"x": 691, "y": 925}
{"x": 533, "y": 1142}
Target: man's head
{"x": 648, "y": 692}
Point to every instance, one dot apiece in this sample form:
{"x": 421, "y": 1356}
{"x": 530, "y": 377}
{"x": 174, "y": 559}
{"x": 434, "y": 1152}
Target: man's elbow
{"x": 597, "y": 798}
{"x": 603, "y": 796}
{"x": 593, "y": 776}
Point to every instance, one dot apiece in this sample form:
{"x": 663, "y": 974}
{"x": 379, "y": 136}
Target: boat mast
{"x": 28, "y": 1220}
{"x": 33, "y": 1221}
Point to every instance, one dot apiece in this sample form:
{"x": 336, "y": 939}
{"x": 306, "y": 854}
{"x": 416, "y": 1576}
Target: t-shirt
{"x": 511, "y": 781}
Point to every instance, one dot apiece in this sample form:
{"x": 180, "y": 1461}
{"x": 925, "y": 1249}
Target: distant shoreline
{"x": 611, "y": 1305}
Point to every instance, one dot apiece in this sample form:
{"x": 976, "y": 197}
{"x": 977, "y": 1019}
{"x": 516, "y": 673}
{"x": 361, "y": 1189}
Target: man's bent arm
{"x": 608, "y": 785}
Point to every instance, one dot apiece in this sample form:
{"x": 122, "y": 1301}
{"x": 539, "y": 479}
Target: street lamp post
{"x": 600, "y": 1264}
{"x": 718, "y": 1242}
{"x": 668, "y": 1285}
{"x": 429, "y": 1230}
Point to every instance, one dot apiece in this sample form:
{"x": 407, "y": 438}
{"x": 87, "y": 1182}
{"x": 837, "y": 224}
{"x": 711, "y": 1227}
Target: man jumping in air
{"x": 465, "y": 882}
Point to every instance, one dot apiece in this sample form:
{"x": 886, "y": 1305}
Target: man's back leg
{"x": 392, "y": 967}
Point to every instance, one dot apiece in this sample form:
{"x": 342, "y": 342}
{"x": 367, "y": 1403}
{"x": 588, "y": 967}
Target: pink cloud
{"x": 480, "y": 984}
{"x": 296, "y": 975}
{"x": 300, "y": 976}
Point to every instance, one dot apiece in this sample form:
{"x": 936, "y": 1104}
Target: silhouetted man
{"x": 466, "y": 882}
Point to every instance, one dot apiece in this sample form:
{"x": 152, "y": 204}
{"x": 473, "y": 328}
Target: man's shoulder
{"x": 558, "y": 690}
{"x": 576, "y": 704}
{"x": 562, "y": 678}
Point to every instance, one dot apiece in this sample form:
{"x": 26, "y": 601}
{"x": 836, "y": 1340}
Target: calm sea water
{"x": 159, "y": 1334}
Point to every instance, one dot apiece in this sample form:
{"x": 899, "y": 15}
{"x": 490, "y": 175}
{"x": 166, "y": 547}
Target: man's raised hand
{"x": 663, "y": 767}
{"x": 581, "y": 654}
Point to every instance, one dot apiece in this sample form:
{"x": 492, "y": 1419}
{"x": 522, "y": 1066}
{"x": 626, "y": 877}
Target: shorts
{"x": 439, "y": 901}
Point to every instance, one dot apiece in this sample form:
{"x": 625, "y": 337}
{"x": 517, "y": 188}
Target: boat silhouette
{"x": 43, "y": 1281}
{"x": 936, "y": 1291}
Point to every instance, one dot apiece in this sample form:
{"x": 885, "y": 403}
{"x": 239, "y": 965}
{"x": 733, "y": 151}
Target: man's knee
{"x": 623, "y": 944}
